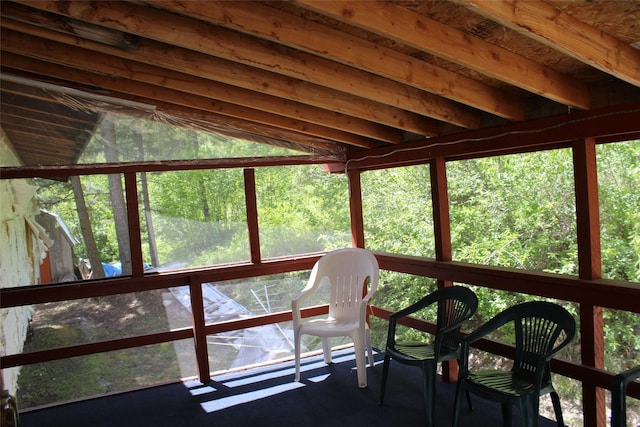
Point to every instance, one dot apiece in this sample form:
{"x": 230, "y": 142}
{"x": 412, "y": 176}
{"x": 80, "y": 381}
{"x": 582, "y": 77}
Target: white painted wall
{"x": 21, "y": 250}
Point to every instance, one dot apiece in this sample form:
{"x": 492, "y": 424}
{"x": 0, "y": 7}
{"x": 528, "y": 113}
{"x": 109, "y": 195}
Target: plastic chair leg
{"x": 361, "y": 366}
{"x": 457, "y": 403}
{"x": 557, "y": 408}
{"x": 369, "y": 348}
{"x": 385, "y": 373}
{"x": 297, "y": 355}
{"x": 326, "y": 350}
{"x": 429, "y": 389}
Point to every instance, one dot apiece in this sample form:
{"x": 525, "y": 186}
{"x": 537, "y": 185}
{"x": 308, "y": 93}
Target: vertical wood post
{"x": 199, "y": 332}
{"x": 355, "y": 208}
{"x": 442, "y": 235}
{"x": 133, "y": 218}
{"x": 252, "y": 214}
{"x": 590, "y": 267}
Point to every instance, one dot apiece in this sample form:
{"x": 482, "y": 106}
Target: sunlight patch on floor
{"x": 262, "y": 374}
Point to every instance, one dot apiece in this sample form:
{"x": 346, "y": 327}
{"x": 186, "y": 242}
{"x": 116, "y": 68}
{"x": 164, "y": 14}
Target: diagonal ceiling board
{"x": 433, "y": 37}
{"x": 271, "y": 24}
{"x": 189, "y": 117}
{"x": 217, "y": 72}
{"x": 215, "y": 41}
{"x": 563, "y": 32}
{"x": 39, "y": 137}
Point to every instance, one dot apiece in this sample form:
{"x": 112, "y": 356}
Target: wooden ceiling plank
{"x": 51, "y": 129}
{"x": 136, "y": 71}
{"x": 428, "y": 35}
{"x": 365, "y": 119}
{"x": 15, "y": 112}
{"x": 563, "y": 32}
{"x": 215, "y": 41}
{"x": 80, "y": 59}
{"x": 262, "y": 21}
{"x": 55, "y": 146}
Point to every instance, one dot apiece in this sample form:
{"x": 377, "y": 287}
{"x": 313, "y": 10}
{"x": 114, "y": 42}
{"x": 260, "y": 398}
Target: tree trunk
{"x": 87, "y": 231}
{"x": 107, "y": 130}
{"x": 153, "y": 249}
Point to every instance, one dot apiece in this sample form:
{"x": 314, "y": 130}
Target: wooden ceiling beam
{"x": 563, "y": 32}
{"x": 386, "y": 102}
{"x": 360, "y": 121}
{"x": 148, "y": 93}
{"x": 228, "y": 99}
{"x": 262, "y": 21}
{"x": 428, "y": 35}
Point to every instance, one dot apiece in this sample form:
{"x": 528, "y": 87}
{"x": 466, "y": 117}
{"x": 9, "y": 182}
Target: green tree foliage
{"x": 397, "y": 211}
{"x": 301, "y": 209}
{"x": 515, "y": 211}
{"x": 619, "y": 195}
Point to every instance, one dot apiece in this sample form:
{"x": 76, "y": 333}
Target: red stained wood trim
{"x": 587, "y": 209}
{"x": 252, "y": 214}
{"x": 355, "y": 209}
{"x": 612, "y": 124}
{"x": 92, "y": 348}
{"x": 440, "y": 200}
{"x": 589, "y": 267}
{"x": 616, "y": 294}
{"x": 267, "y": 319}
{"x": 442, "y": 234}
{"x": 199, "y": 332}
{"x": 133, "y": 215}
{"x": 168, "y": 165}
{"x": 38, "y": 294}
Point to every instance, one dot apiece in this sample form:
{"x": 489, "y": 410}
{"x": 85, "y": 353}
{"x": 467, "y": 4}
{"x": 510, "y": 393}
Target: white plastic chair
{"x": 347, "y": 271}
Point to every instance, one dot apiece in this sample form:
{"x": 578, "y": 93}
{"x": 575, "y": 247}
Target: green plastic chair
{"x": 455, "y": 305}
{"x": 619, "y": 396}
{"x": 542, "y": 329}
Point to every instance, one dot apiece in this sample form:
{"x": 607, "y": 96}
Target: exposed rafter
{"x": 562, "y": 31}
{"x": 420, "y": 32}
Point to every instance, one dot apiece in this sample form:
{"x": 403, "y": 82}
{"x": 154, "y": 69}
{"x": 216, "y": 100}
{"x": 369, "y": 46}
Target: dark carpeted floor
{"x": 268, "y": 397}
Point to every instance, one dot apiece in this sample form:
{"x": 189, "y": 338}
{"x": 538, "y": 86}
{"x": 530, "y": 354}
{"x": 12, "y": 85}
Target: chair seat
{"x": 502, "y": 382}
{"x": 414, "y": 349}
{"x": 328, "y": 327}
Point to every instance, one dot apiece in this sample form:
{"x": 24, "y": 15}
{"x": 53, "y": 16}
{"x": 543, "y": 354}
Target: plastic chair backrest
{"x": 455, "y": 304}
{"x": 349, "y": 272}
{"x": 542, "y": 329}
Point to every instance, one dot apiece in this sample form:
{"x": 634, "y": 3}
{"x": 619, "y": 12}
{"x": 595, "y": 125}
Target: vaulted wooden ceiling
{"x": 326, "y": 77}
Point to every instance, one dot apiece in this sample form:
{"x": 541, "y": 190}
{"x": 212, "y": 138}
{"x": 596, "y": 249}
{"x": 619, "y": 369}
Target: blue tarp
{"x": 111, "y": 270}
